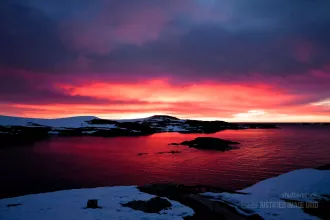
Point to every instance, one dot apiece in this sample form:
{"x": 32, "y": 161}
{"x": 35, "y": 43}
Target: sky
{"x": 232, "y": 60}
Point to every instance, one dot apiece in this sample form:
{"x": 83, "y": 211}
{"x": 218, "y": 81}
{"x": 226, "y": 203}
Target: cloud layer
{"x": 227, "y": 59}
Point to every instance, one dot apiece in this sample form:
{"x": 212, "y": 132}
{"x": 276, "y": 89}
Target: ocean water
{"x": 80, "y": 162}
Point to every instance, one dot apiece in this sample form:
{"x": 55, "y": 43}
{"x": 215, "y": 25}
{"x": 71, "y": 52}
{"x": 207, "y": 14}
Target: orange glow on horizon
{"x": 204, "y": 101}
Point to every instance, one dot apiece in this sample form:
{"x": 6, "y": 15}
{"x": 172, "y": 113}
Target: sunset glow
{"x": 196, "y": 59}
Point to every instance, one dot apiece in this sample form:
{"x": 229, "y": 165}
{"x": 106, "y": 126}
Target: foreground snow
{"x": 267, "y": 198}
{"x": 70, "y": 204}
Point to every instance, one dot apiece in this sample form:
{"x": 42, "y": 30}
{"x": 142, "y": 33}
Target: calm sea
{"x": 79, "y": 162}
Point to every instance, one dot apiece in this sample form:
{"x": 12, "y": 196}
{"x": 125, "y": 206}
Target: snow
{"x": 53, "y": 132}
{"x": 174, "y": 125}
{"x": 87, "y": 132}
{"x": 70, "y": 205}
{"x": 174, "y": 128}
{"x": 71, "y": 122}
{"x": 266, "y": 198}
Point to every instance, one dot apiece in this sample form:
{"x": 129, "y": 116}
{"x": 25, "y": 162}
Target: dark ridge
{"x": 323, "y": 167}
{"x": 102, "y": 122}
{"x": 320, "y": 208}
{"x": 188, "y": 195}
{"x": 153, "y": 205}
{"x": 20, "y": 135}
{"x": 210, "y": 126}
{"x": 165, "y": 117}
{"x": 116, "y": 132}
{"x": 145, "y": 129}
{"x": 70, "y": 132}
{"x": 14, "y": 205}
{"x": 170, "y": 152}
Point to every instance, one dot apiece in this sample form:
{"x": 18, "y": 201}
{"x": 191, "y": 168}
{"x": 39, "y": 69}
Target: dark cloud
{"x": 22, "y": 87}
{"x": 235, "y": 41}
{"x": 214, "y": 51}
{"x": 29, "y": 39}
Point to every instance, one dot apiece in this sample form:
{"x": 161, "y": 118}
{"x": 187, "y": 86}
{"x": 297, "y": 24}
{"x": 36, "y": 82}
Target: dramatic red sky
{"x": 232, "y": 60}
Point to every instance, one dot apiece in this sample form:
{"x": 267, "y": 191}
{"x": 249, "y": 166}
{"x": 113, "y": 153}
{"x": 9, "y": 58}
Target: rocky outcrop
{"x": 169, "y": 152}
{"x": 20, "y": 135}
{"x": 324, "y": 167}
{"x": 153, "y": 205}
{"x": 24, "y": 131}
{"x": 196, "y": 126}
{"x": 92, "y": 204}
{"x": 209, "y": 143}
{"x": 188, "y": 195}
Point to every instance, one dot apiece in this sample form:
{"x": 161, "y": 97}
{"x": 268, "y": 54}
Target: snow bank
{"x": 80, "y": 122}
{"x": 174, "y": 128}
{"x": 267, "y": 198}
{"x": 70, "y": 205}
{"x": 71, "y": 122}
{"x": 53, "y": 132}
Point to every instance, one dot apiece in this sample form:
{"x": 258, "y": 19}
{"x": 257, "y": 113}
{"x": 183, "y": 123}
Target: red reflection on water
{"x": 90, "y": 161}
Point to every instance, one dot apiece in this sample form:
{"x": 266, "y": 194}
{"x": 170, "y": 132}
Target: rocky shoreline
{"x": 177, "y": 201}
{"x": 21, "y": 131}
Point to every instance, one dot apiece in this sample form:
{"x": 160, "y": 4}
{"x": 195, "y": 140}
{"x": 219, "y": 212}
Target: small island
{"x": 209, "y": 143}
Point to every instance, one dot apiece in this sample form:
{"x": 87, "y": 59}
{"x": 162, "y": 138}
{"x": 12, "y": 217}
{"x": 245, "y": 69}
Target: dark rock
{"x": 183, "y": 193}
{"x": 140, "y": 154}
{"x": 215, "y": 210}
{"x": 319, "y": 208}
{"x": 144, "y": 129}
{"x": 324, "y": 167}
{"x": 70, "y": 133}
{"x": 163, "y": 117}
{"x": 171, "y": 191}
{"x": 92, "y": 204}
{"x": 210, "y": 143}
{"x": 170, "y": 152}
{"x": 102, "y": 122}
{"x": 208, "y": 126}
{"x": 20, "y": 135}
{"x": 116, "y": 132}
{"x": 34, "y": 124}
{"x": 154, "y": 205}
{"x": 14, "y": 205}
{"x": 177, "y": 191}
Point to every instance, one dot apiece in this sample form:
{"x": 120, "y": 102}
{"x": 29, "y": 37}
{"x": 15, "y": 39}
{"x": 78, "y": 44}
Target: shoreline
{"x": 204, "y": 200}
{"x": 22, "y": 131}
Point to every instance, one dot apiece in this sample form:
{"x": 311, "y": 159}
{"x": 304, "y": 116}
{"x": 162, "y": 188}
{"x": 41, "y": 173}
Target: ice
{"x": 268, "y": 197}
{"x": 70, "y": 205}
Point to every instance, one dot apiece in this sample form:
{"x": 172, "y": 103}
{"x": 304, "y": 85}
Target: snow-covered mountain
{"x": 159, "y": 123}
{"x": 71, "y": 122}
